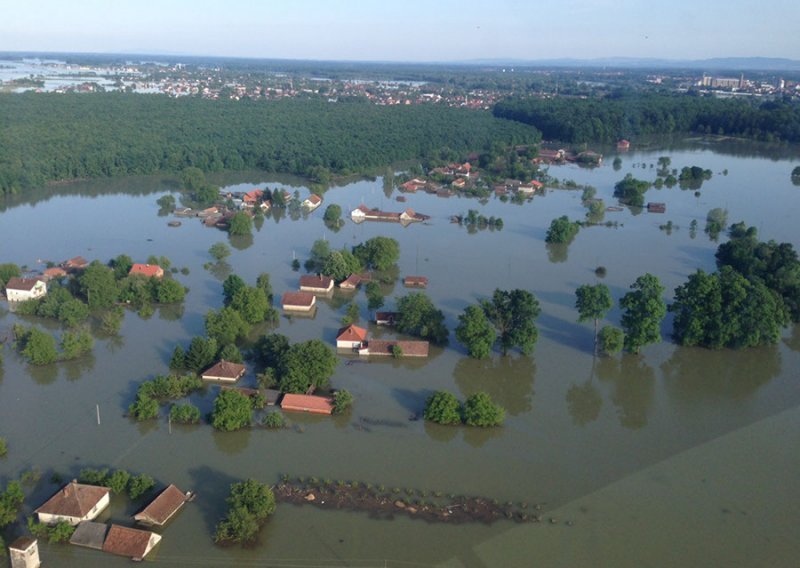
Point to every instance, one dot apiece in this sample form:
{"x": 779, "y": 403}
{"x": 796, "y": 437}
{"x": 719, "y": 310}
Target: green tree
{"x": 263, "y": 282}
{"x": 379, "y": 253}
{"x": 98, "y": 285}
{"x": 226, "y": 326}
{"x": 476, "y": 332}
{"x": 726, "y": 310}
{"x": 241, "y": 225}
{"x": 184, "y": 413}
{"x": 374, "y": 296}
{"x": 339, "y": 264}
{"x": 342, "y": 401}
{"x": 270, "y": 350}
{"x": 166, "y": 202}
{"x": 140, "y": 485}
{"x": 73, "y": 312}
{"x": 73, "y": 345}
{"x": 111, "y": 320}
{"x": 252, "y": 304}
{"x": 8, "y": 271}
{"x": 38, "y": 347}
{"x": 231, "y": 286}
{"x": 561, "y": 230}
{"x": 231, "y": 353}
{"x": 3, "y": 447}
{"x": 10, "y": 502}
{"x": 219, "y": 251}
{"x": 443, "y": 408}
{"x": 143, "y": 408}
{"x": 274, "y": 420}
{"x": 480, "y": 410}
{"x": 250, "y": 504}
{"x": 169, "y": 291}
{"x": 610, "y": 340}
{"x": 513, "y": 314}
{"x": 118, "y": 481}
{"x": 644, "y": 309}
{"x": 121, "y": 265}
{"x": 310, "y": 363}
{"x": 631, "y": 190}
{"x": 333, "y": 215}
{"x": 592, "y": 303}
{"x": 232, "y": 411}
{"x": 419, "y": 317}
{"x": 178, "y": 360}
{"x": 201, "y": 353}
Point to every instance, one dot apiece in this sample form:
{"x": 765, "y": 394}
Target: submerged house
{"x": 298, "y": 301}
{"x": 415, "y": 282}
{"x": 23, "y": 289}
{"x": 133, "y": 543}
{"x": 316, "y": 283}
{"x": 75, "y": 502}
{"x": 162, "y": 508}
{"x": 148, "y": 270}
{"x": 351, "y": 337}
{"x": 313, "y": 404}
{"x": 312, "y": 202}
{"x": 225, "y": 371}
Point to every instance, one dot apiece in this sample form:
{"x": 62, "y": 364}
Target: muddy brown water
{"x": 635, "y": 444}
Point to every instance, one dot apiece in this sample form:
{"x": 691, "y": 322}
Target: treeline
{"x": 609, "y": 119}
{"x": 46, "y": 137}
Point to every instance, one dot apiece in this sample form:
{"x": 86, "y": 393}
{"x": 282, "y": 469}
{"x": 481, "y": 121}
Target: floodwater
{"x": 675, "y": 456}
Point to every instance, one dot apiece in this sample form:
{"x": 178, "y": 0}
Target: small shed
{"x": 89, "y": 534}
{"x": 24, "y": 553}
{"x": 386, "y": 318}
{"x": 350, "y": 283}
{"x": 654, "y": 207}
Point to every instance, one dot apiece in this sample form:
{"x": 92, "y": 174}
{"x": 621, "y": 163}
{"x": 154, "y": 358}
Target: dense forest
{"x": 47, "y": 137}
{"x": 608, "y": 119}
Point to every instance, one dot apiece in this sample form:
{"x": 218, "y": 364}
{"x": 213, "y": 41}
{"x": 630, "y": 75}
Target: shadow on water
{"x": 507, "y": 380}
{"x": 584, "y": 403}
{"x": 412, "y": 400}
{"x": 567, "y": 333}
{"x": 793, "y": 341}
{"x": 44, "y": 375}
{"x": 477, "y": 437}
{"x": 695, "y": 374}
{"x": 557, "y": 252}
{"x": 440, "y": 432}
{"x": 215, "y": 489}
{"x": 231, "y": 443}
{"x": 74, "y": 370}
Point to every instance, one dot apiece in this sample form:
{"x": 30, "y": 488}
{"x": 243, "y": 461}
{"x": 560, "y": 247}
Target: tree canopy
{"x": 418, "y": 316}
{"x": 379, "y": 252}
{"x": 644, "y": 309}
{"x": 476, "y": 332}
{"x": 232, "y": 411}
{"x": 561, "y": 230}
{"x": 513, "y": 314}
{"x": 443, "y": 408}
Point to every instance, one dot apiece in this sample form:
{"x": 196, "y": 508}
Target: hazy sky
{"x": 406, "y": 30}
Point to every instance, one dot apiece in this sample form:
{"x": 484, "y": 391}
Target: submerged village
{"x": 261, "y": 383}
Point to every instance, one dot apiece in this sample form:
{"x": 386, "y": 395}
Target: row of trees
{"x": 54, "y": 136}
{"x": 507, "y": 319}
{"x": 39, "y": 347}
{"x": 378, "y": 253}
{"x": 294, "y": 367}
{"x": 609, "y": 119}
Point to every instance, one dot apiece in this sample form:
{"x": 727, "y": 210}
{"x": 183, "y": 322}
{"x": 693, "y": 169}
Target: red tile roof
{"x": 304, "y": 299}
{"x": 352, "y": 333}
{"x": 224, "y": 370}
{"x": 307, "y": 403}
{"x": 315, "y": 281}
{"x": 74, "y": 500}
{"x": 162, "y": 508}
{"x": 26, "y": 284}
{"x": 76, "y": 262}
{"x": 54, "y": 272}
{"x": 314, "y": 199}
{"x": 350, "y": 282}
{"x": 253, "y": 196}
{"x": 409, "y": 348}
{"x": 419, "y": 281}
{"x": 148, "y": 270}
{"x": 127, "y": 542}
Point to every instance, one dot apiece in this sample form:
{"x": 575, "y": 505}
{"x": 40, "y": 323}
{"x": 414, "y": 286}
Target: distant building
{"x": 75, "y": 264}
{"x": 653, "y": 207}
{"x": 53, "y": 273}
{"x": 22, "y": 289}
{"x": 386, "y": 318}
{"x": 312, "y": 202}
{"x": 351, "y": 282}
{"x": 149, "y": 270}
{"x": 415, "y": 282}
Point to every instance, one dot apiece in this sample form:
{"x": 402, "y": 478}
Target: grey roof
{"x": 90, "y": 534}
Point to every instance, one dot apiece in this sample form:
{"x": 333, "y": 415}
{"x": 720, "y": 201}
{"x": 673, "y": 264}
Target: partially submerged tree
{"x": 593, "y": 302}
{"x": 644, "y": 310}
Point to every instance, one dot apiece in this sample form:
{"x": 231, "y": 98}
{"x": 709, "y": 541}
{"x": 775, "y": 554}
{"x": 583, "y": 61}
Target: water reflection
{"x": 584, "y": 403}
{"x": 697, "y": 374}
{"x": 793, "y": 341}
{"x": 477, "y": 437}
{"x": 231, "y": 443}
{"x": 74, "y": 370}
{"x": 220, "y": 270}
{"x": 508, "y": 380}
{"x": 633, "y": 386}
{"x": 44, "y": 375}
{"x": 240, "y": 242}
{"x": 557, "y": 252}
{"x": 171, "y": 312}
{"x": 441, "y": 433}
